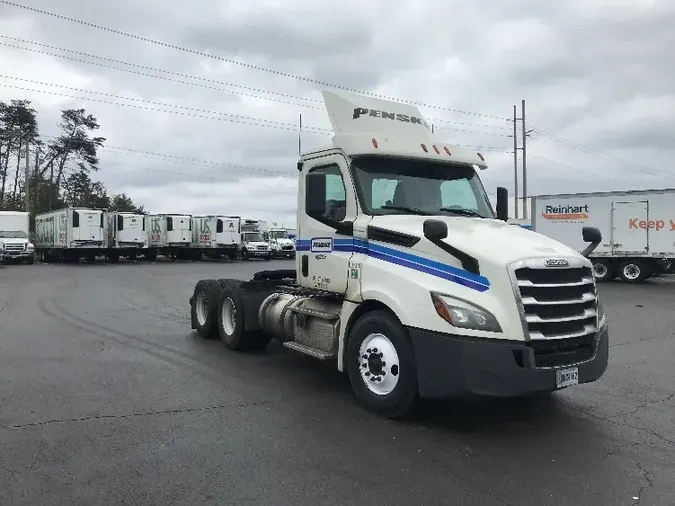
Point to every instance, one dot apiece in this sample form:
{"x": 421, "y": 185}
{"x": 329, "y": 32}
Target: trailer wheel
{"x": 204, "y": 303}
{"x": 381, "y": 365}
{"x": 633, "y": 271}
{"x": 231, "y": 320}
{"x": 604, "y": 270}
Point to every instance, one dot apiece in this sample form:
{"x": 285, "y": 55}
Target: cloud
{"x": 593, "y": 73}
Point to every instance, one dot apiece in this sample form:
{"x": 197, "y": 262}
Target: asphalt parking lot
{"x": 108, "y": 397}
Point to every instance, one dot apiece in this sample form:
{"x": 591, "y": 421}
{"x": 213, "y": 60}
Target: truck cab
{"x": 280, "y": 242}
{"x": 15, "y": 244}
{"x": 406, "y": 278}
{"x": 253, "y": 243}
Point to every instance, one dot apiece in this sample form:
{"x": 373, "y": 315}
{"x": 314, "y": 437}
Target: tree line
{"x": 59, "y": 171}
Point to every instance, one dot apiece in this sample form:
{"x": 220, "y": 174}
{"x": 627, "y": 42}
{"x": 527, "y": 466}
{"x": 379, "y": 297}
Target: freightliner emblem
{"x": 556, "y": 262}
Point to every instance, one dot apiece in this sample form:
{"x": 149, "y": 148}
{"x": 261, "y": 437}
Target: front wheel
{"x": 381, "y": 365}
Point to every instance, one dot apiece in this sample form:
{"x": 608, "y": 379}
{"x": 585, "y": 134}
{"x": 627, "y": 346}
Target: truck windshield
{"x": 253, "y": 237}
{"x": 278, "y": 234}
{"x": 400, "y": 186}
{"x": 13, "y": 234}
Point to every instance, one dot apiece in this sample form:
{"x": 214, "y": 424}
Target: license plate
{"x": 567, "y": 377}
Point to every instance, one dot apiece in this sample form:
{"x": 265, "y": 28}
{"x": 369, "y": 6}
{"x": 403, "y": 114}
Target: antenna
{"x": 300, "y": 137}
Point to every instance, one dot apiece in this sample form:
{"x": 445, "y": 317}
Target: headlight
{"x": 463, "y": 314}
{"x": 602, "y": 320}
{"x": 30, "y": 246}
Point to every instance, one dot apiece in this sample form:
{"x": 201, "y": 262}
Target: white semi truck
{"x": 407, "y": 281}
{"x": 15, "y": 244}
{"x": 169, "y": 235}
{"x": 70, "y": 234}
{"x": 253, "y": 244}
{"x": 280, "y": 243}
{"x": 638, "y": 227}
{"x": 216, "y": 236}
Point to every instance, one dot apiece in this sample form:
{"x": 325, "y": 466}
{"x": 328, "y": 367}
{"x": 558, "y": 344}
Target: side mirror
{"x": 502, "y": 203}
{"x": 593, "y": 236}
{"x": 435, "y": 230}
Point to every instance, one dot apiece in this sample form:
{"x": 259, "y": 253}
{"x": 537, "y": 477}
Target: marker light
{"x": 481, "y": 156}
{"x": 424, "y": 147}
{"x": 438, "y": 151}
{"x": 447, "y": 151}
{"x": 374, "y": 141}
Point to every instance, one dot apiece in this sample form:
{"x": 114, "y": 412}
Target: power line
{"x": 585, "y": 171}
{"x": 243, "y": 64}
{"x": 231, "y": 119}
{"x": 145, "y": 67}
{"x": 199, "y": 78}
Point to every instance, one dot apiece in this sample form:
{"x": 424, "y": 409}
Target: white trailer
{"x": 127, "y": 236}
{"x": 253, "y": 243}
{"x": 638, "y": 229}
{"x": 407, "y": 281}
{"x": 169, "y": 235}
{"x": 70, "y": 234}
{"x": 216, "y": 236}
{"x": 15, "y": 244}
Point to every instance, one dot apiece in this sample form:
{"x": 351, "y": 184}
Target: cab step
{"x": 307, "y": 350}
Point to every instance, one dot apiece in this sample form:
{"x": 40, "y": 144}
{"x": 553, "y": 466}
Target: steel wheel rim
{"x": 201, "y": 311}
{"x": 378, "y": 364}
{"x": 600, "y": 270}
{"x": 229, "y": 316}
{"x": 631, "y": 271}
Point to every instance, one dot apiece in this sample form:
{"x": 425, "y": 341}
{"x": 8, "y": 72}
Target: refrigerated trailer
{"x": 169, "y": 235}
{"x": 216, "y": 236}
{"x": 126, "y": 235}
{"x": 638, "y": 228}
{"x": 70, "y": 234}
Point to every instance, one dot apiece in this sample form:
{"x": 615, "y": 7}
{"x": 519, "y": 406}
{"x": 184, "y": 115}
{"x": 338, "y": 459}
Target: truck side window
{"x": 76, "y": 219}
{"x": 219, "y": 226}
{"x": 120, "y": 222}
{"x": 169, "y": 224}
{"x": 325, "y": 196}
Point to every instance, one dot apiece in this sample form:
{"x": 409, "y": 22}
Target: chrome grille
{"x": 14, "y": 247}
{"x": 559, "y": 312}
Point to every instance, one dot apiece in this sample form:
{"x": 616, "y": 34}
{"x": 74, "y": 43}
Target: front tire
{"x": 381, "y": 365}
{"x": 604, "y": 270}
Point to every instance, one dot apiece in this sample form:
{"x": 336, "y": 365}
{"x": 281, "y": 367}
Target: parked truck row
{"x": 638, "y": 227}
{"x": 74, "y": 233}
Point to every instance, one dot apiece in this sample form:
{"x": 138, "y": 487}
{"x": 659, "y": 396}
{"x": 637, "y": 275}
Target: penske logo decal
{"x": 569, "y": 212}
{"x": 394, "y": 116}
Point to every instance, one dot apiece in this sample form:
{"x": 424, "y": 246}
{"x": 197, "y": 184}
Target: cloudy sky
{"x": 596, "y": 75}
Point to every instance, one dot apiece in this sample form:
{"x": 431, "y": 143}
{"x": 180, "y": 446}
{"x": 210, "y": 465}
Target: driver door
{"x": 326, "y": 225}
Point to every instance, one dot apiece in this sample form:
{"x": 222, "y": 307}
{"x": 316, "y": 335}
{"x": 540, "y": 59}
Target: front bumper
{"x": 16, "y": 255}
{"x": 258, "y": 253}
{"x": 455, "y": 366}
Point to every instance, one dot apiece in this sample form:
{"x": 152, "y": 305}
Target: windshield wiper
{"x": 463, "y": 212}
{"x": 411, "y": 210}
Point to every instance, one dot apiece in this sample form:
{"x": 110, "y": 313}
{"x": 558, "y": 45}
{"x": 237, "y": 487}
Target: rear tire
{"x": 231, "y": 320}
{"x": 204, "y": 304}
{"x": 633, "y": 271}
{"x": 394, "y": 393}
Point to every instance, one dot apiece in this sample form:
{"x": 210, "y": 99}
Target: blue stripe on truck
{"x": 403, "y": 259}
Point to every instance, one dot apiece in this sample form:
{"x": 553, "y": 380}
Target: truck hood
{"x": 482, "y": 238}
{"x": 256, "y": 244}
{"x": 284, "y": 242}
{"x": 13, "y": 240}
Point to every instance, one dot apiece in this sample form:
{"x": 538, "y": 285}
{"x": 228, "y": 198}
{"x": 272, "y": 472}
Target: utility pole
{"x": 515, "y": 162}
{"x": 27, "y": 176}
{"x": 525, "y": 134}
{"x": 522, "y": 117}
